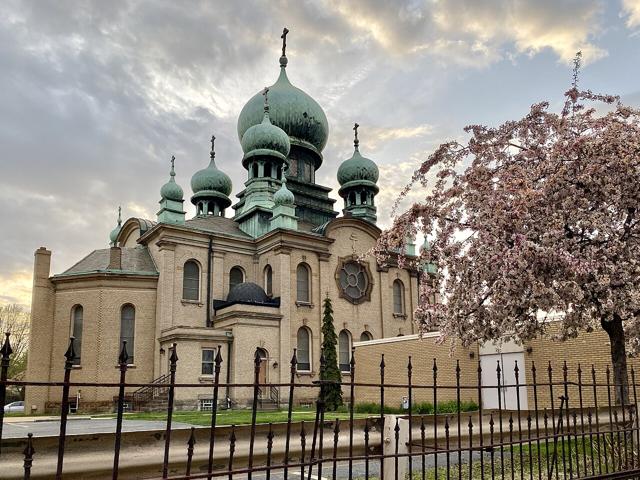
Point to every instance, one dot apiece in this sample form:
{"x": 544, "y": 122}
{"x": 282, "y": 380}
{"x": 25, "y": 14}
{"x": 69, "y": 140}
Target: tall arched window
{"x": 303, "y": 353}
{"x": 77, "y": 313}
{"x": 236, "y": 277}
{"x": 128, "y": 329}
{"x": 366, "y": 336}
{"x": 398, "y": 297}
{"x": 191, "y": 281}
{"x": 268, "y": 280}
{"x": 302, "y": 283}
{"x": 344, "y": 351}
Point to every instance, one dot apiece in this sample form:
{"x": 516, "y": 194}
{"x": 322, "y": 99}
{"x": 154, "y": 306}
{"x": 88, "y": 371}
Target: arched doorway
{"x": 262, "y": 375}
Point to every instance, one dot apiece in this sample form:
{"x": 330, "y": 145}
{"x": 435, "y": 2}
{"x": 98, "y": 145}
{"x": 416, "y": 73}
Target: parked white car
{"x": 14, "y": 407}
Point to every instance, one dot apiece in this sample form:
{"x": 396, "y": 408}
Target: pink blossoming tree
{"x": 534, "y": 218}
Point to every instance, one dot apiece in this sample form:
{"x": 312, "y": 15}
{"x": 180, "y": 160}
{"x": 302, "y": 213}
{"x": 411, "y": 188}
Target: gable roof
{"x": 135, "y": 260}
{"x": 216, "y": 224}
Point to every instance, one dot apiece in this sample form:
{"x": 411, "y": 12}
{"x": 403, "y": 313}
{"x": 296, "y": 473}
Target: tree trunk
{"x": 618, "y": 358}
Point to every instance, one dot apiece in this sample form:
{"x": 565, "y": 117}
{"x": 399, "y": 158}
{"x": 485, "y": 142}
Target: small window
{"x": 398, "y": 297}
{"x": 208, "y": 356}
{"x": 303, "y": 353}
{"x": 191, "y": 281}
{"x": 76, "y": 331}
{"x": 127, "y": 329}
{"x": 366, "y": 336}
{"x": 268, "y": 280}
{"x": 254, "y": 170}
{"x": 236, "y": 277}
{"x": 302, "y": 283}
{"x": 206, "y": 404}
{"x": 344, "y": 351}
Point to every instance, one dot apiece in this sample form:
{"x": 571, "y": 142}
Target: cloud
{"x": 479, "y": 32}
{"x": 15, "y": 287}
{"x": 631, "y": 9}
{"x": 96, "y": 96}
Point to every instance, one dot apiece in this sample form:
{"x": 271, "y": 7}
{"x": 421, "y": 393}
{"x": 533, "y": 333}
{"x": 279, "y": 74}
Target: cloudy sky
{"x": 96, "y": 96}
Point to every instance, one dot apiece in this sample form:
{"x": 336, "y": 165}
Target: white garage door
{"x": 508, "y": 390}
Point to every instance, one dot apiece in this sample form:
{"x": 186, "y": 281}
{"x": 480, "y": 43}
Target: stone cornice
{"x": 194, "y": 333}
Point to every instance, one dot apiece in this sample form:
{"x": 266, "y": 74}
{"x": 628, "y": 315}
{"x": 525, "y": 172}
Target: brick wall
{"x": 422, "y": 351}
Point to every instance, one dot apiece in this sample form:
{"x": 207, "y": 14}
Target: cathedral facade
{"x": 238, "y": 278}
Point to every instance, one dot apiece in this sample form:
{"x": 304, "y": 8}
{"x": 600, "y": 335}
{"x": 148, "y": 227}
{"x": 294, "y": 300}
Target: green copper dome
{"x": 265, "y": 139}
{"x": 171, "y": 190}
{"x": 211, "y": 179}
{"x": 284, "y": 196}
{"x": 357, "y": 168}
{"x": 293, "y": 111}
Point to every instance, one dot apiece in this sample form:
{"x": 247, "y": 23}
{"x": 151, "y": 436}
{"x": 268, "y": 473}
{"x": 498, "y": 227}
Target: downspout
{"x": 229, "y": 345}
{"x": 209, "y": 254}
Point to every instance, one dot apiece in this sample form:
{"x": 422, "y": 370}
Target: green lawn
{"x": 235, "y": 417}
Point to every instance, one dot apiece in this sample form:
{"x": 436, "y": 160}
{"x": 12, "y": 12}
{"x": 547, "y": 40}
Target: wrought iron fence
{"x": 569, "y": 432}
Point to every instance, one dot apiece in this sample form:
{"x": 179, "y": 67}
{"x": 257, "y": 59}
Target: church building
{"x": 247, "y": 276}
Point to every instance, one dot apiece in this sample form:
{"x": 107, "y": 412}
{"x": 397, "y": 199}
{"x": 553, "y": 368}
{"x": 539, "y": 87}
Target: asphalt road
{"x": 51, "y": 428}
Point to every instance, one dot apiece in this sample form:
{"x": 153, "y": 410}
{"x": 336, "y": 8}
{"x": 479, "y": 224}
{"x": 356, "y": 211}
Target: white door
{"x": 508, "y": 390}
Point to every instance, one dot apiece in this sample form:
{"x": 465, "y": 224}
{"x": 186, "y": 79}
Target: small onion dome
{"x": 248, "y": 292}
{"x": 211, "y": 179}
{"x": 294, "y": 111}
{"x": 171, "y": 190}
{"x": 283, "y": 196}
{"x": 265, "y": 138}
{"x": 357, "y": 168}
{"x": 113, "y": 236}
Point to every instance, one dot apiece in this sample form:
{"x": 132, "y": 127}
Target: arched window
{"x": 191, "y": 281}
{"x": 303, "y": 353}
{"x": 366, "y": 336}
{"x": 236, "y": 277}
{"x": 76, "y": 331}
{"x": 254, "y": 170}
{"x": 398, "y": 297}
{"x": 344, "y": 351}
{"x": 268, "y": 280}
{"x": 128, "y": 329}
{"x": 302, "y": 283}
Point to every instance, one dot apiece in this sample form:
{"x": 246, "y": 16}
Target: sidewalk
{"x": 44, "y": 418}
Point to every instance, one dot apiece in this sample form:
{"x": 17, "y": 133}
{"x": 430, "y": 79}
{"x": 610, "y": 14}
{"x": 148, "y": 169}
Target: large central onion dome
{"x": 292, "y": 110}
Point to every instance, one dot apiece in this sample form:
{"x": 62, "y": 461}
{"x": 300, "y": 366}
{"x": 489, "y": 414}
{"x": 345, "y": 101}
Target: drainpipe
{"x": 229, "y": 345}
{"x": 209, "y": 253}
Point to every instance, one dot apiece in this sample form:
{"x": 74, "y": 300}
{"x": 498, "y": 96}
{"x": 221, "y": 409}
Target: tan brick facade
{"x": 163, "y": 317}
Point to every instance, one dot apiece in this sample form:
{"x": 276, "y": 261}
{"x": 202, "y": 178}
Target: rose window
{"x": 354, "y": 281}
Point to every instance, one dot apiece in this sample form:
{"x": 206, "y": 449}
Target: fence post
{"x": 173, "y": 359}
{"x": 214, "y": 410}
{"x": 70, "y": 356}
{"x": 4, "y": 373}
{"x": 123, "y": 361}
{"x": 28, "y": 453}
{"x": 395, "y": 437}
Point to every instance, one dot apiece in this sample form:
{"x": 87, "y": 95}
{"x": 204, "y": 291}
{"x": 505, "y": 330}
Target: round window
{"x": 354, "y": 281}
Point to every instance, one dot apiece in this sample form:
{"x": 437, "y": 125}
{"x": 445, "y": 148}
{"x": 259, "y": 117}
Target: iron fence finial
{"x": 123, "y": 358}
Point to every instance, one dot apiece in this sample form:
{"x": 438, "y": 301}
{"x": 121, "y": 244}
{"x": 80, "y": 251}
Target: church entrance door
{"x": 262, "y": 375}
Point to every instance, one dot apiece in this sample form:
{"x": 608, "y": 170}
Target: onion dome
{"x": 294, "y": 111}
{"x": 283, "y": 196}
{"x": 211, "y": 178}
{"x": 357, "y": 168}
{"x": 248, "y": 292}
{"x": 113, "y": 236}
{"x": 211, "y": 187}
{"x": 171, "y": 190}
{"x": 265, "y": 138}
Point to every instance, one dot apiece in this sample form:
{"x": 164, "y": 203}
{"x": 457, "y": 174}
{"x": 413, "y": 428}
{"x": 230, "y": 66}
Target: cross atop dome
{"x": 283, "y": 58}
{"x": 356, "y": 142}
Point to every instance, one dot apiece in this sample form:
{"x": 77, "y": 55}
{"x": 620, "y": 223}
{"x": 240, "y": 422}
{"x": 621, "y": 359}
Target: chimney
{"x": 115, "y": 259}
